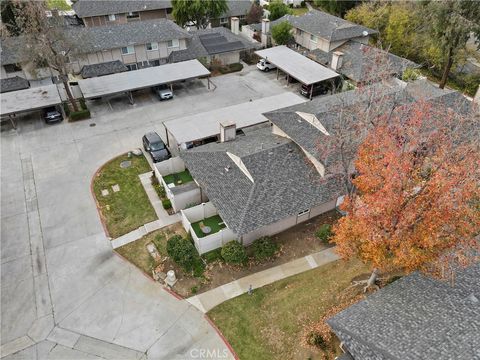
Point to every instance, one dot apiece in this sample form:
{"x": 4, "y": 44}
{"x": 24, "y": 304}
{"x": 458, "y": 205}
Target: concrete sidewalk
{"x": 209, "y": 299}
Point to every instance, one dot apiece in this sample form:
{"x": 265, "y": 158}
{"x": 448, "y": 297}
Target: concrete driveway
{"x": 65, "y": 294}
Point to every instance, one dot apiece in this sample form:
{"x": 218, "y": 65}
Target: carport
{"x": 128, "y": 81}
{"x": 296, "y": 65}
{"x": 28, "y": 100}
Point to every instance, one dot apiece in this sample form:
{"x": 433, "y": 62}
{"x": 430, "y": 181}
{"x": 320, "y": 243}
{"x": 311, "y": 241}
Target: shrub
{"x": 410, "y": 74}
{"x": 167, "y": 204}
{"x": 234, "y": 253}
{"x": 83, "y": 104}
{"x": 213, "y": 255}
{"x": 184, "y": 254}
{"x": 264, "y": 248}
{"x": 324, "y": 233}
{"x": 281, "y": 33}
{"x": 317, "y": 340}
{"x": 79, "y": 115}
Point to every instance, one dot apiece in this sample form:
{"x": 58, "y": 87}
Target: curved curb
{"x": 224, "y": 339}
{"x": 100, "y": 215}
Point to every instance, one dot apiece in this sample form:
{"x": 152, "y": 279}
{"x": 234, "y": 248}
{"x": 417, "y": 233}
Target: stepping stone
{"x": 125, "y": 164}
{"x": 105, "y": 192}
{"x": 116, "y": 188}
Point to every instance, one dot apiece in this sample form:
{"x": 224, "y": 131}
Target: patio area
{"x": 179, "y": 178}
{"x": 210, "y": 225}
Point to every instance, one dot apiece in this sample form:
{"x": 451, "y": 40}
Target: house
{"x": 236, "y": 9}
{"x": 416, "y": 317}
{"x": 317, "y": 30}
{"x": 110, "y": 12}
{"x": 215, "y": 44}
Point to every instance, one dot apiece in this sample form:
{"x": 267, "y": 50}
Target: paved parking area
{"x": 65, "y": 295}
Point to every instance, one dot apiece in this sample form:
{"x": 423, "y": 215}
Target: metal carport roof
{"x": 140, "y": 79}
{"x": 296, "y": 65}
{"x": 29, "y": 99}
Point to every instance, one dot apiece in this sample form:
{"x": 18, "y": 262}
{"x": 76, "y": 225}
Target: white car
{"x": 264, "y": 65}
{"x": 163, "y": 92}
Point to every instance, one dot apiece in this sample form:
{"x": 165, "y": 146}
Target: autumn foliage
{"x": 417, "y": 199}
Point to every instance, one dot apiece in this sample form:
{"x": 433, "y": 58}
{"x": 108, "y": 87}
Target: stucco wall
{"x": 122, "y": 18}
{"x": 228, "y": 58}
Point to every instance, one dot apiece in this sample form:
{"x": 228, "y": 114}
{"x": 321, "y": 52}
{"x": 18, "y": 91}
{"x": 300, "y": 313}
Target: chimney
{"x": 228, "y": 130}
{"x": 337, "y": 60}
{"x": 235, "y": 25}
{"x": 265, "y": 26}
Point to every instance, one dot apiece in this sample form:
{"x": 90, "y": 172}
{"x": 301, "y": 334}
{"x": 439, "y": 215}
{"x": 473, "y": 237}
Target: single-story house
{"x": 416, "y": 317}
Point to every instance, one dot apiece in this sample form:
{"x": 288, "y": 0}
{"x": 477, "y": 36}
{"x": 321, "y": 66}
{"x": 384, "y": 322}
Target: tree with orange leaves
{"x": 417, "y": 199}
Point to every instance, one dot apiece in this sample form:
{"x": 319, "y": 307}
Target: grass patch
{"x": 269, "y": 323}
{"x": 299, "y": 11}
{"x": 178, "y": 178}
{"x": 58, "y": 5}
{"x": 213, "y": 222}
{"x": 129, "y": 208}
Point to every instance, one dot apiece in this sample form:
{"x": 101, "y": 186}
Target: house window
{"x": 10, "y": 68}
{"x": 128, "y": 50}
{"x": 133, "y": 15}
{"x": 131, "y": 67}
{"x": 152, "y": 46}
{"x": 111, "y": 17}
{"x": 173, "y": 43}
{"x": 224, "y": 20}
{"x": 313, "y": 38}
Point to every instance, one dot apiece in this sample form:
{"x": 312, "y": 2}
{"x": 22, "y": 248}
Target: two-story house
{"x": 110, "y": 12}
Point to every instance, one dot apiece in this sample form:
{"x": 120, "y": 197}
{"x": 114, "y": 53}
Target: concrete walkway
{"x": 164, "y": 219}
{"x": 209, "y": 299}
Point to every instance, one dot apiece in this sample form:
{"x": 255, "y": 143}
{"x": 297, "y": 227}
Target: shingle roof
{"x": 105, "y": 68}
{"x": 284, "y": 182}
{"x": 86, "y": 8}
{"x": 139, "y": 32}
{"x": 360, "y": 61}
{"x": 416, "y": 317}
{"x": 237, "y": 8}
{"x": 13, "y": 84}
{"x": 324, "y": 25}
{"x": 10, "y": 49}
{"x": 196, "y": 47}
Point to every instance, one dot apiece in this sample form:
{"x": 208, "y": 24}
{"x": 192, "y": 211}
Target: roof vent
{"x": 365, "y": 33}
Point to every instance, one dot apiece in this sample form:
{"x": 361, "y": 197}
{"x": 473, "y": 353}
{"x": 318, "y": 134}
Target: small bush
{"x": 315, "y": 339}
{"x": 194, "y": 290}
{"x": 83, "y": 104}
{"x": 184, "y": 254}
{"x": 264, "y": 248}
{"x": 213, "y": 255}
{"x": 410, "y": 74}
{"x": 79, "y": 115}
{"x": 234, "y": 253}
{"x": 324, "y": 233}
{"x": 167, "y": 204}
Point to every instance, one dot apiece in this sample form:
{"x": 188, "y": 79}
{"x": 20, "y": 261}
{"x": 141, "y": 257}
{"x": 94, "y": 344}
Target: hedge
{"x": 234, "y": 253}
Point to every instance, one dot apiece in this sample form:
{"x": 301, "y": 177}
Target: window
{"x": 10, "y": 68}
{"x": 152, "y": 46}
{"x": 128, "y": 50}
{"x": 131, "y": 67}
{"x": 173, "y": 43}
{"x": 313, "y": 38}
{"x": 223, "y": 20}
{"x": 111, "y": 17}
{"x": 133, "y": 15}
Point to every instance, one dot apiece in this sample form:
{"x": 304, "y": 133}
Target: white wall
{"x": 170, "y": 166}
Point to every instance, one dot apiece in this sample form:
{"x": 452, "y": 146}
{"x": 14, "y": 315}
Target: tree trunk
{"x": 446, "y": 71}
{"x": 69, "y": 94}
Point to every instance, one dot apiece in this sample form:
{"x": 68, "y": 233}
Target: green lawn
{"x": 129, "y": 208}
{"x": 269, "y": 324}
{"x": 59, "y": 5}
{"x": 213, "y": 222}
{"x": 298, "y": 11}
{"x": 178, "y": 178}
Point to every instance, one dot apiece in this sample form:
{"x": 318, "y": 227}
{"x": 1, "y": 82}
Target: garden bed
{"x": 293, "y": 243}
{"x": 129, "y": 208}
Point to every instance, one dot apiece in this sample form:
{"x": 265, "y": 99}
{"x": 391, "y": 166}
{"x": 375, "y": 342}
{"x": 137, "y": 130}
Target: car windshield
{"x": 157, "y": 146}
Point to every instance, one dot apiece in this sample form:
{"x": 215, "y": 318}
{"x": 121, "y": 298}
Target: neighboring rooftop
{"x": 361, "y": 62}
{"x": 237, "y": 8}
{"x": 416, "y": 317}
{"x": 87, "y": 8}
{"x": 101, "y": 69}
{"x": 258, "y": 179}
{"x": 212, "y": 41}
{"x": 29, "y": 99}
{"x": 13, "y": 84}
{"x": 298, "y": 66}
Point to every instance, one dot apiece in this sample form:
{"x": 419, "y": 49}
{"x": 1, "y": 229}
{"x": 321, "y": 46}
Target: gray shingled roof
{"x": 237, "y": 8}
{"x": 324, "y": 25}
{"x": 285, "y": 183}
{"x": 10, "y": 50}
{"x": 87, "y": 8}
{"x": 360, "y": 61}
{"x": 13, "y": 84}
{"x": 196, "y": 49}
{"x": 415, "y": 318}
{"x": 105, "y": 68}
{"x": 139, "y": 32}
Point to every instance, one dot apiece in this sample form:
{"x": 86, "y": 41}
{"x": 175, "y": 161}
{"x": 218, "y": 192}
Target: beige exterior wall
{"x": 228, "y": 58}
{"x": 122, "y": 18}
{"x": 302, "y": 38}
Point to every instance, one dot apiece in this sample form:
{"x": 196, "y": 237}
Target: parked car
{"x": 315, "y": 89}
{"x": 163, "y": 92}
{"x": 264, "y": 65}
{"x": 52, "y": 115}
{"x": 153, "y": 144}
